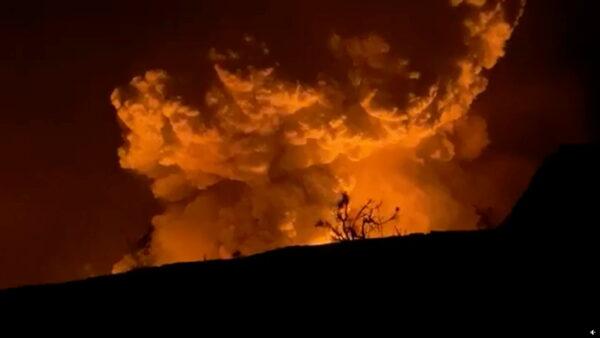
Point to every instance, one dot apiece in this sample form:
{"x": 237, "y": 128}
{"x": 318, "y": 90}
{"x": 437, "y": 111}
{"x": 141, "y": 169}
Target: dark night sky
{"x": 67, "y": 208}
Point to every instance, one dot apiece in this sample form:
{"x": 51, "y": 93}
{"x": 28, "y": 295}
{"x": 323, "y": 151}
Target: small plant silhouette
{"x": 350, "y": 226}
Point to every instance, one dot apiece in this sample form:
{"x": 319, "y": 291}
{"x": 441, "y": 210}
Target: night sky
{"x": 68, "y": 209}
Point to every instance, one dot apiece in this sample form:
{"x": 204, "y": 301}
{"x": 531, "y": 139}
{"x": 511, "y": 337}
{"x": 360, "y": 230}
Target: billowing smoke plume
{"x": 265, "y": 157}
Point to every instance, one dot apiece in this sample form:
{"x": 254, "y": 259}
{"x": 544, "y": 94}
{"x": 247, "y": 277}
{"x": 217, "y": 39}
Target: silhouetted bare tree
{"x": 360, "y": 225}
{"x": 485, "y": 221}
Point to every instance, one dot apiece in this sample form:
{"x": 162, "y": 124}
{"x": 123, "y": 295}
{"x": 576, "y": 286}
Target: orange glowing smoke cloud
{"x": 265, "y": 157}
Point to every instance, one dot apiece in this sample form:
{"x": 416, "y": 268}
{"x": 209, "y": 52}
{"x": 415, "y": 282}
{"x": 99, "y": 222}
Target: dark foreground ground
{"x": 541, "y": 265}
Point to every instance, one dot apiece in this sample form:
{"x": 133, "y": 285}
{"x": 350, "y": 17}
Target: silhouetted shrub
{"x": 349, "y": 226}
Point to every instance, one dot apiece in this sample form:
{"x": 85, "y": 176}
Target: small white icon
{"x": 593, "y": 332}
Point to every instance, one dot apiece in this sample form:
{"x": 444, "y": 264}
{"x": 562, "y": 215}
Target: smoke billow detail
{"x": 264, "y": 156}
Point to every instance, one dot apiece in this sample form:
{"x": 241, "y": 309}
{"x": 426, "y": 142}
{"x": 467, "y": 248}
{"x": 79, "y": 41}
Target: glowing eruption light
{"x": 265, "y": 157}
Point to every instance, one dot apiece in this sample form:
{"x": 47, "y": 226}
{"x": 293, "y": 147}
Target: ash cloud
{"x": 261, "y": 155}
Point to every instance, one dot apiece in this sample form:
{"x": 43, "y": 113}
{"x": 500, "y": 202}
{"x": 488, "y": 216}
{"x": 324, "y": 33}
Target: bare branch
{"x": 360, "y": 225}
